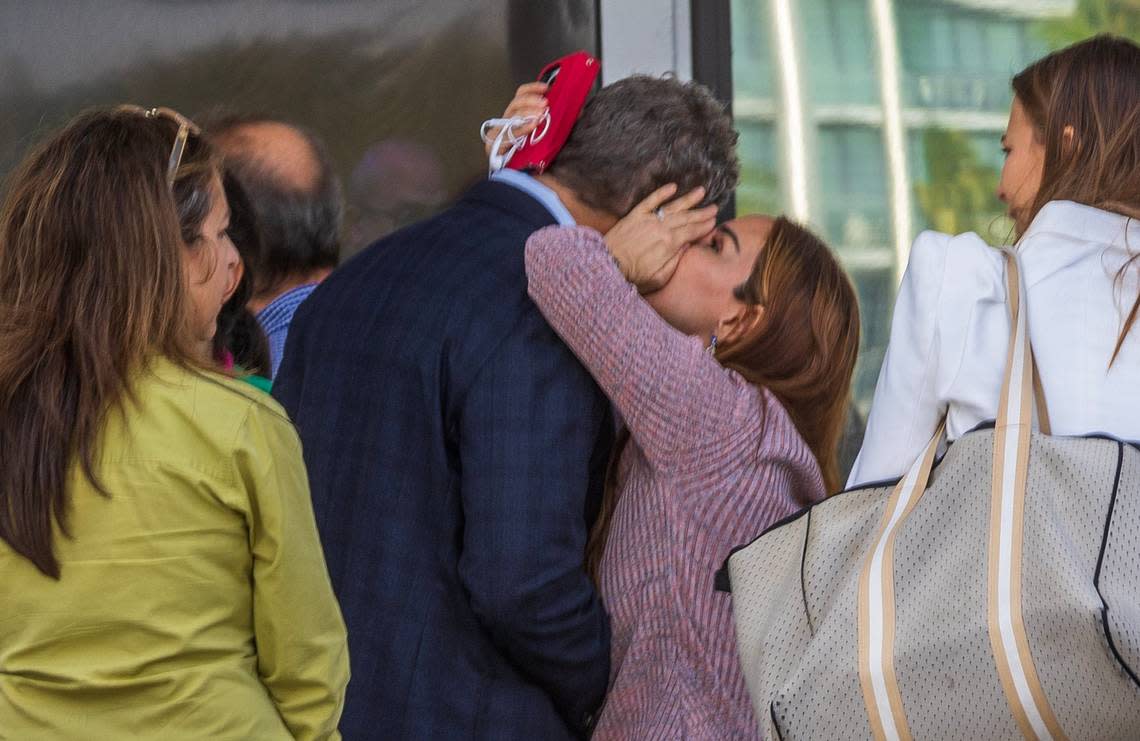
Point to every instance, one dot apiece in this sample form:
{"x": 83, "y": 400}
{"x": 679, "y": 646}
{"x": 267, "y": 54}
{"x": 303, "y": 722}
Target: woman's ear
{"x": 235, "y": 279}
{"x": 739, "y": 323}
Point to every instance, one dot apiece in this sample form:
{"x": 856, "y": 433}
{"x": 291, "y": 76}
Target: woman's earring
{"x": 711, "y": 349}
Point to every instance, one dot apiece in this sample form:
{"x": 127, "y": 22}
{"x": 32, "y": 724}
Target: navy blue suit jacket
{"x": 456, "y": 451}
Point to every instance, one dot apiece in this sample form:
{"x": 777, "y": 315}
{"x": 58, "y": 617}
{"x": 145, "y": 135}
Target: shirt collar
{"x": 544, "y": 195}
{"x": 279, "y": 311}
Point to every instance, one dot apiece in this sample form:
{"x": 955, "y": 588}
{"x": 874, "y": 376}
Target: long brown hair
{"x": 802, "y": 349}
{"x": 91, "y": 286}
{"x": 1092, "y": 90}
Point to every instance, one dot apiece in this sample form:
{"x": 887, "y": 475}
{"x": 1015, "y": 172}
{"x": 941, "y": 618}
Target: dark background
{"x": 397, "y": 89}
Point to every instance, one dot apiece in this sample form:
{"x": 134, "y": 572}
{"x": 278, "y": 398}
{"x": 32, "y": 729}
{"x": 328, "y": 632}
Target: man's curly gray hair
{"x": 643, "y": 132}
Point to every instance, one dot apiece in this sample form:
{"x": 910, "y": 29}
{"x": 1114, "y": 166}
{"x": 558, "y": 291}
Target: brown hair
{"x": 91, "y": 286}
{"x": 643, "y": 132}
{"x": 1094, "y": 88}
{"x": 802, "y": 349}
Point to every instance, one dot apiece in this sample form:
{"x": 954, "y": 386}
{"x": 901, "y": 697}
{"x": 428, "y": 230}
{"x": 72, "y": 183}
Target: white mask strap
{"x": 506, "y": 126}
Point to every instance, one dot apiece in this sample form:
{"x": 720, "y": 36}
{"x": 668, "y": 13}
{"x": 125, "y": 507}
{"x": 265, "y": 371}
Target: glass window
{"x": 397, "y": 90}
{"x": 751, "y": 44}
{"x": 759, "y": 190}
{"x": 955, "y": 176}
{"x": 954, "y": 64}
{"x": 853, "y": 186}
{"x": 838, "y": 33}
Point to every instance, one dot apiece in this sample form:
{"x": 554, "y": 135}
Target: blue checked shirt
{"x": 276, "y": 318}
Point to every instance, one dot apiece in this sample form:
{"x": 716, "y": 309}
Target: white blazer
{"x": 950, "y": 334}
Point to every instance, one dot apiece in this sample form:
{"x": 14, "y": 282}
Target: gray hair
{"x": 641, "y": 133}
{"x": 298, "y": 228}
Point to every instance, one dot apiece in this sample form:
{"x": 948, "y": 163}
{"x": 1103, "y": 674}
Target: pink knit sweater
{"x": 712, "y": 462}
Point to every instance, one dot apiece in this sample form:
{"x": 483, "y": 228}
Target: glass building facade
{"x": 396, "y": 89}
{"x": 875, "y": 119}
{"x": 868, "y": 119}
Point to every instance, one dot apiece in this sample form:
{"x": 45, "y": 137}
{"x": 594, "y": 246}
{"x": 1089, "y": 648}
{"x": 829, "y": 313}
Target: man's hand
{"x": 648, "y": 243}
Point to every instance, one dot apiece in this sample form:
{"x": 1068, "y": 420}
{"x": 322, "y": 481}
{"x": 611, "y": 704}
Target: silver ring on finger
{"x": 660, "y": 214}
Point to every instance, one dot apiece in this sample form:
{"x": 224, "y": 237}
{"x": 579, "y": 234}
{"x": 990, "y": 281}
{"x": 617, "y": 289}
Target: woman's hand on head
{"x": 529, "y": 101}
{"x": 648, "y": 243}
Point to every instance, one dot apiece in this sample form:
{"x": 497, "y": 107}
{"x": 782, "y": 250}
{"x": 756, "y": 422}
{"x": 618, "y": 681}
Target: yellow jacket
{"x": 194, "y": 601}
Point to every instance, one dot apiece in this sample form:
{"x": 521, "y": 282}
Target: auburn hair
{"x": 1084, "y": 104}
{"x": 91, "y": 287}
{"x": 802, "y": 349}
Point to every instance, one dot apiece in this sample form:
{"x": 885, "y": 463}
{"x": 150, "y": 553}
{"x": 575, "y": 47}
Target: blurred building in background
{"x": 869, "y": 119}
{"x": 875, "y": 119}
{"x": 397, "y": 89}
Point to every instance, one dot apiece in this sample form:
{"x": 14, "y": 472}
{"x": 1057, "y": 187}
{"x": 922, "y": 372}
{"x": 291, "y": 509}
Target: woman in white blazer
{"x": 1071, "y": 181}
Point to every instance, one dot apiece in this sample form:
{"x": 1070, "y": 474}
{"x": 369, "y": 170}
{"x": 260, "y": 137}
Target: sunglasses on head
{"x": 186, "y": 127}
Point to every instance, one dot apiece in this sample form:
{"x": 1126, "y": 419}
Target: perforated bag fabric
{"x": 995, "y": 595}
{"x": 798, "y": 646}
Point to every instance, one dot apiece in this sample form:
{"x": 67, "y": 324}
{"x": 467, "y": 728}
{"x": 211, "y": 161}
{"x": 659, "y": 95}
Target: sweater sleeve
{"x": 677, "y": 400}
{"x": 907, "y": 406}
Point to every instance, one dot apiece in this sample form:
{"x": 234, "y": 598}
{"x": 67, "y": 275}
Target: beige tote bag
{"x": 993, "y": 595}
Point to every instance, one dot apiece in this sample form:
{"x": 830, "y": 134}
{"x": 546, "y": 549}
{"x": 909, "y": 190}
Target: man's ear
{"x": 742, "y": 321}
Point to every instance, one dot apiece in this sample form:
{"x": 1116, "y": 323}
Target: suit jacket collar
{"x": 1064, "y": 233}
{"x": 511, "y": 200}
{"x": 1080, "y": 222}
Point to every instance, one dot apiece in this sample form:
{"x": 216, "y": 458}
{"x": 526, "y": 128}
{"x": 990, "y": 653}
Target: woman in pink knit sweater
{"x": 729, "y": 360}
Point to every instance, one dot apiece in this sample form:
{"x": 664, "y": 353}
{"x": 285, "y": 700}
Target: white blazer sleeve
{"x": 906, "y": 408}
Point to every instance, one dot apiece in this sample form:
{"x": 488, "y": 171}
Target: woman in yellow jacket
{"x": 160, "y": 572}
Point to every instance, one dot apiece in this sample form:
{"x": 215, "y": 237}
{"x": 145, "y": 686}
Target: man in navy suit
{"x": 456, "y": 448}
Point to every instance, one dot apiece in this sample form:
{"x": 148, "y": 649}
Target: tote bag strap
{"x": 1016, "y": 305}
{"x": 876, "y": 604}
{"x": 1015, "y": 423}
{"x": 1021, "y": 394}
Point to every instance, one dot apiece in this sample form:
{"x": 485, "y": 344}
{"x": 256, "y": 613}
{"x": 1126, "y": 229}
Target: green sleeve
{"x": 259, "y": 382}
{"x": 302, "y": 650}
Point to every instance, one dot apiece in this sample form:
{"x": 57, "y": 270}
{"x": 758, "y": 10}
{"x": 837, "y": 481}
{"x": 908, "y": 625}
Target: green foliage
{"x": 759, "y": 192}
{"x": 960, "y": 194}
{"x": 1091, "y": 17}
